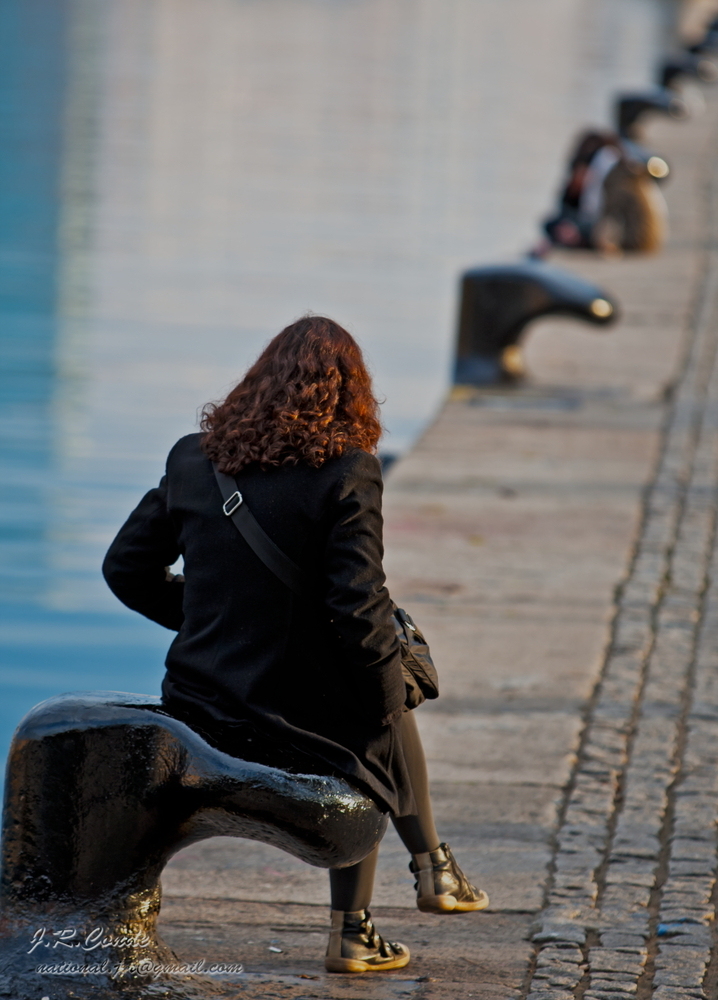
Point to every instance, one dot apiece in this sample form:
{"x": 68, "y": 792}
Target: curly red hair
{"x": 307, "y": 398}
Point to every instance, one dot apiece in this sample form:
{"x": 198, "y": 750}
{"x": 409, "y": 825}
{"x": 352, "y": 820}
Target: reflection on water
{"x": 180, "y": 178}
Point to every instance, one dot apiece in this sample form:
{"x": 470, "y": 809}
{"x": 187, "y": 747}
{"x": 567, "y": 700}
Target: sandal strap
{"x": 359, "y": 925}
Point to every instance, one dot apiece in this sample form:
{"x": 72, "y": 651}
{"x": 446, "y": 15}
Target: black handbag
{"x": 417, "y": 665}
{"x": 420, "y": 676}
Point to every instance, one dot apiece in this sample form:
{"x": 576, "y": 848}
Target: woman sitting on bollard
{"x": 610, "y": 201}
{"x": 311, "y": 683}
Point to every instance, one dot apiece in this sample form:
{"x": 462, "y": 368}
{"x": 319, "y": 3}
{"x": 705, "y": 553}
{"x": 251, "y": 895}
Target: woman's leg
{"x": 417, "y": 832}
{"x": 354, "y": 945}
{"x": 352, "y": 887}
{"x": 441, "y": 885}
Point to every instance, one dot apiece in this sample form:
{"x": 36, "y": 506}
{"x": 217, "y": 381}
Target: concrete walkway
{"x": 555, "y": 544}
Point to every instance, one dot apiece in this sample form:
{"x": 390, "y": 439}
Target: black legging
{"x": 351, "y": 888}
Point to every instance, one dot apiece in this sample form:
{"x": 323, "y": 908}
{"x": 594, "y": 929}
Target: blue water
{"x": 178, "y": 181}
{"x": 48, "y": 644}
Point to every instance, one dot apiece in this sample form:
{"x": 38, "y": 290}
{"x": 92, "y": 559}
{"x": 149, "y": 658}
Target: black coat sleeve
{"x": 358, "y": 602}
{"x": 134, "y": 566}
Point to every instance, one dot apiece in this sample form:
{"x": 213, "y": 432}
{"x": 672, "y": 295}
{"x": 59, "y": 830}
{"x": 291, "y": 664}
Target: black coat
{"x": 323, "y": 671}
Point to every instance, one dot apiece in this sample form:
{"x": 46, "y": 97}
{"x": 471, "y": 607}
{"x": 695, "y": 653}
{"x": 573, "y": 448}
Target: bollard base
{"x": 491, "y": 369}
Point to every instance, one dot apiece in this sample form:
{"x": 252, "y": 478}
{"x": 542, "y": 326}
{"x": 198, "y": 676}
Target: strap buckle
{"x": 405, "y": 619}
{"x": 232, "y": 503}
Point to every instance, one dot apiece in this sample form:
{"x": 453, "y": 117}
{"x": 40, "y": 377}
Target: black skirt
{"x": 248, "y": 740}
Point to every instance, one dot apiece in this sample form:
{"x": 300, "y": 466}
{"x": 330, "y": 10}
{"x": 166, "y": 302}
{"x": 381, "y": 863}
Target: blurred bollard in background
{"x": 632, "y": 109}
{"x": 688, "y": 65}
{"x": 497, "y": 304}
{"x": 695, "y": 18}
{"x": 685, "y": 71}
{"x": 610, "y": 200}
{"x": 709, "y": 41}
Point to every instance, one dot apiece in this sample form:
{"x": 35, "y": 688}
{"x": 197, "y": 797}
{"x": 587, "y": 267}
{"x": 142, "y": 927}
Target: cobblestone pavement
{"x": 630, "y": 908}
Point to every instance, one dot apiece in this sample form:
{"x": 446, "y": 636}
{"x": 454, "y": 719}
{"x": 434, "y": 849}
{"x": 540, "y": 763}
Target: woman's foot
{"x": 441, "y": 886}
{"x": 355, "y": 946}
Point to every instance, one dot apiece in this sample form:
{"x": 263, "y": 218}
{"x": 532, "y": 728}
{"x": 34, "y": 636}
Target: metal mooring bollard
{"x": 709, "y": 42}
{"x": 102, "y": 789}
{"x": 630, "y": 108}
{"x": 497, "y": 303}
{"x": 689, "y": 64}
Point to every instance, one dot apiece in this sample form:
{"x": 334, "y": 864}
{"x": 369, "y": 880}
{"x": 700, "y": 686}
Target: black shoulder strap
{"x": 257, "y": 538}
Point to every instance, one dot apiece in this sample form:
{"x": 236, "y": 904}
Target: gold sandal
{"x": 441, "y": 886}
{"x": 355, "y": 946}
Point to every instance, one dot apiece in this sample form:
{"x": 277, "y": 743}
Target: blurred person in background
{"x": 311, "y": 683}
{"x": 610, "y": 201}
